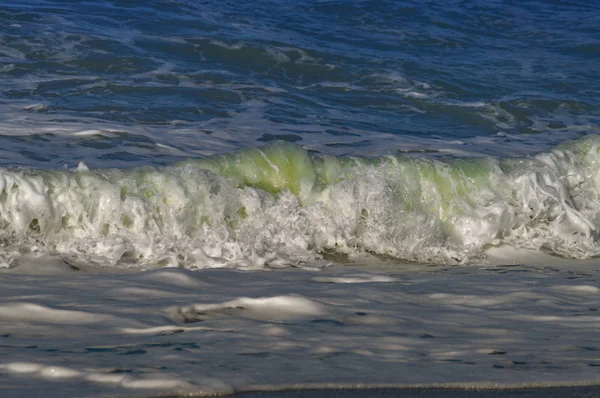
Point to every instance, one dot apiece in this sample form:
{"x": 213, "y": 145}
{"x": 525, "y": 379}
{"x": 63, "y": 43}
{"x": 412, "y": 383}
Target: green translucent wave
{"x": 282, "y": 203}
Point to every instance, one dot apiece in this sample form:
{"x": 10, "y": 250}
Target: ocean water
{"x": 225, "y": 196}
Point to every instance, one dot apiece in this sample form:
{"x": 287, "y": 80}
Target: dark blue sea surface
{"x": 130, "y": 83}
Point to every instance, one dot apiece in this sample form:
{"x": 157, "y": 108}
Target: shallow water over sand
{"x": 84, "y": 333}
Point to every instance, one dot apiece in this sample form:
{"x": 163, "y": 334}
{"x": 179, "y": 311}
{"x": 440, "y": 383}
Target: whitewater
{"x": 280, "y": 206}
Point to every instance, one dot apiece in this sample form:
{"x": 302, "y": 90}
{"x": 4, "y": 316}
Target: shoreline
{"x": 442, "y": 390}
{"x": 532, "y": 392}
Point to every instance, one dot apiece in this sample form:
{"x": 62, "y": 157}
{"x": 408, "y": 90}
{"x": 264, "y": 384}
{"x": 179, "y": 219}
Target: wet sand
{"x": 551, "y": 392}
{"x": 582, "y": 391}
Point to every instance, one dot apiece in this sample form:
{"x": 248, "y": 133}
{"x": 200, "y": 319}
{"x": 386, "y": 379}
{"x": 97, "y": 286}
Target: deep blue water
{"x": 126, "y": 83}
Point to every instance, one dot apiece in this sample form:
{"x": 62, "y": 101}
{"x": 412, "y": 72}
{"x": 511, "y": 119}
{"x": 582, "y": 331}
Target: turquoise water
{"x": 410, "y": 130}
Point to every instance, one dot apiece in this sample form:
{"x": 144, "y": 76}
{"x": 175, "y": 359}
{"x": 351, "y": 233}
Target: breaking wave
{"x": 281, "y": 206}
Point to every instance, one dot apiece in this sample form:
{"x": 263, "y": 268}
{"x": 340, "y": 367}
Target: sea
{"x": 210, "y": 197}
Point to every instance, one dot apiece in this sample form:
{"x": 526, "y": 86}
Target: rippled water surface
{"x": 125, "y": 83}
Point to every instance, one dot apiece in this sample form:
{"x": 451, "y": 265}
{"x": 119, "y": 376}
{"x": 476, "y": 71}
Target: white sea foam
{"x": 30, "y": 311}
{"x": 366, "y": 278}
{"x": 279, "y": 207}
